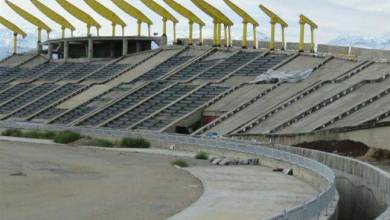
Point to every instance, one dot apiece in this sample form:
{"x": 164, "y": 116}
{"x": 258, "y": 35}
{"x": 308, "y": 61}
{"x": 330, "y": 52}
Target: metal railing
{"x": 310, "y": 209}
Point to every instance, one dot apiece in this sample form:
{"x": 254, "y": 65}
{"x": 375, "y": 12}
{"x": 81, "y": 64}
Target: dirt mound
{"x": 375, "y": 154}
{"x": 343, "y": 147}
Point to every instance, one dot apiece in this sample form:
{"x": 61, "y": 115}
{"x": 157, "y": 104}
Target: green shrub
{"x": 40, "y": 134}
{"x": 29, "y": 134}
{"x": 134, "y": 143}
{"x": 66, "y": 137}
{"x": 202, "y": 156}
{"x": 12, "y": 133}
{"x": 102, "y": 143}
{"x": 179, "y": 163}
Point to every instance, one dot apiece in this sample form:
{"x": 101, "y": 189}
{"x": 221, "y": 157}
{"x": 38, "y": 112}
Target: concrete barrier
{"x": 370, "y": 53}
{"x": 363, "y": 188}
{"x": 295, "y": 46}
{"x": 265, "y": 45}
{"x": 330, "y": 49}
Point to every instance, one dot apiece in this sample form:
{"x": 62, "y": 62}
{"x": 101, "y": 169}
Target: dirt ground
{"x": 343, "y": 147}
{"x": 47, "y": 182}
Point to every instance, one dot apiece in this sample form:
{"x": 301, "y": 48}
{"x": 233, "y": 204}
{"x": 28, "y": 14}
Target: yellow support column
{"x": 283, "y": 39}
{"x": 272, "y": 43}
{"x": 230, "y": 36}
{"x": 174, "y": 32}
{"x": 88, "y": 31}
{"x": 302, "y": 37}
{"x": 139, "y": 23}
{"x": 113, "y": 29}
{"x": 244, "y": 35}
{"x": 219, "y": 34}
{"x": 191, "y": 24}
{"x": 312, "y": 44}
{"x": 254, "y": 37}
{"x": 215, "y": 34}
{"x": 164, "y": 26}
{"x": 15, "y": 43}
{"x": 200, "y": 35}
{"x": 226, "y": 40}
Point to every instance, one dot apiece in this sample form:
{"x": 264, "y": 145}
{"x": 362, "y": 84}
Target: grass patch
{"x": 202, "y": 156}
{"x": 66, "y": 137}
{"x": 179, "y": 163}
{"x": 134, "y": 143}
{"x": 102, "y": 143}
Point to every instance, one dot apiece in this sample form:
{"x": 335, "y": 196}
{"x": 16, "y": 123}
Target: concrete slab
{"x": 302, "y": 62}
{"x": 325, "y": 114}
{"x": 237, "y": 97}
{"x": 244, "y": 192}
{"x": 367, "y": 113}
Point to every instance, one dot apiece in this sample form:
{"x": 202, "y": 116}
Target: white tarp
{"x": 284, "y": 76}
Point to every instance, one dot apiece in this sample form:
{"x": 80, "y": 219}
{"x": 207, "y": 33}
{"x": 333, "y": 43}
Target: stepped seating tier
{"x": 164, "y": 68}
{"x": 181, "y": 108}
{"x": 150, "y": 106}
{"x": 84, "y": 108}
{"x": 229, "y": 65}
{"x": 124, "y": 103}
{"x": 107, "y": 72}
{"x": 45, "y": 101}
{"x": 26, "y": 97}
{"x": 61, "y": 71}
{"x": 83, "y": 72}
{"x": 261, "y": 65}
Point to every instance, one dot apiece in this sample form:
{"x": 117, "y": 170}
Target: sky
{"x": 335, "y": 17}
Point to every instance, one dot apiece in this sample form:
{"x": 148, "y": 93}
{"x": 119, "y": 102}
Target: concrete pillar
{"x": 112, "y": 52}
{"x": 66, "y": 50}
{"x": 90, "y": 49}
{"x": 50, "y": 51}
{"x": 164, "y": 41}
{"x": 138, "y": 46}
{"x": 125, "y": 47}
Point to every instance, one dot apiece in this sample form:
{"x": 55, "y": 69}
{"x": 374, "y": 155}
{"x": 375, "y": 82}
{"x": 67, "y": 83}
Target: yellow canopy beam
{"x": 275, "y": 19}
{"x": 30, "y": 18}
{"x": 246, "y": 18}
{"x": 191, "y": 17}
{"x": 303, "y": 20}
{"x": 80, "y": 15}
{"x": 108, "y": 14}
{"x": 12, "y": 27}
{"x": 65, "y": 24}
{"x": 219, "y": 18}
{"x": 135, "y": 13}
{"x": 165, "y": 14}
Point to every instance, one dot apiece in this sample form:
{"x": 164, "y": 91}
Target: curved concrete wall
{"x": 323, "y": 205}
{"x": 364, "y": 189}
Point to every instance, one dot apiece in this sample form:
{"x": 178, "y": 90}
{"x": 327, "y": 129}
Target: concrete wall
{"x": 363, "y": 188}
{"x": 370, "y": 53}
{"x": 330, "y": 49}
{"x": 265, "y": 45}
{"x": 376, "y": 137}
{"x": 295, "y": 46}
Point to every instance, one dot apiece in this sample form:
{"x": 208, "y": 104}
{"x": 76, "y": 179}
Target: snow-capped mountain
{"x": 382, "y": 42}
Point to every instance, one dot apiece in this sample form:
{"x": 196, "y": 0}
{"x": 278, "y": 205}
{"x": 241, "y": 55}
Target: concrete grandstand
{"x": 218, "y": 96}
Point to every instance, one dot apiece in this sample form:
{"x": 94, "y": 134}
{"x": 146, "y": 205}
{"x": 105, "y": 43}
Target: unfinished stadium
{"x": 248, "y": 98}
